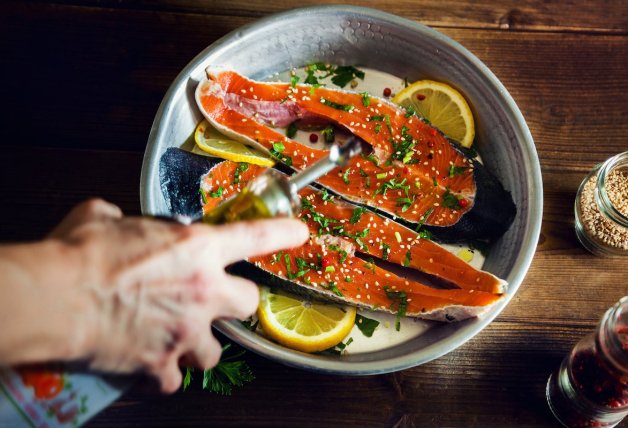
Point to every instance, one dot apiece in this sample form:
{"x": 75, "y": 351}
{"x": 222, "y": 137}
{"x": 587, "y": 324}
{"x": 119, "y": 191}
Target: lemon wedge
{"x": 443, "y": 106}
{"x": 301, "y": 324}
{"x": 209, "y": 140}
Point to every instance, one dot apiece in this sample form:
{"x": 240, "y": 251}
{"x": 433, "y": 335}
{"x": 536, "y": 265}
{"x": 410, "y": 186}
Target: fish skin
{"x": 218, "y": 100}
{"x": 424, "y": 302}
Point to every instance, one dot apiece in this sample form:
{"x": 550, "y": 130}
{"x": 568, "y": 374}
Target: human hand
{"x": 153, "y": 288}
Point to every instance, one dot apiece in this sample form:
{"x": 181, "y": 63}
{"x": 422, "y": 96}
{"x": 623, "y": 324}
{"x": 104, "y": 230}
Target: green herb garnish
{"x": 276, "y": 152}
{"x": 345, "y": 176}
{"x": 242, "y": 166}
{"x": 450, "y": 200}
{"x": 227, "y": 374}
{"x": 329, "y": 134}
{"x": 366, "y": 99}
{"x": 357, "y": 215}
{"x": 401, "y": 300}
{"x": 385, "y": 251}
{"x": 343, "y": 74}
{"x": 294, "y": 80}
{"x": 292, "y": 130}
{"x": 331, "y": 286}
{"x": 332, "y": 104}
{"x": 456, "y": 170}
{"x": 217, "y": 193}
{"x": 203, "y": 195}
{"x": 366, "y": 325}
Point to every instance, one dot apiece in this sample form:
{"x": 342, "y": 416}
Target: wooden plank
{"x": 528, "y": 15}
{"x": 103, "y": 92}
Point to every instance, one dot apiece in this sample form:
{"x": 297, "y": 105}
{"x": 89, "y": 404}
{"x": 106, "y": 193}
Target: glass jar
{"x": 601, "y": 208}
{"x": 590, "y": 388}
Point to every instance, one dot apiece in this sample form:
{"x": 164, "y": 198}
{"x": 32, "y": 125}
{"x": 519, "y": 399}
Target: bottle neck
{"x": 612, "y": 336}
{"x": 616, "y": 163}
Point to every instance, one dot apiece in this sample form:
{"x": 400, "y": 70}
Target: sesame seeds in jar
{"x": 601, "y": 208}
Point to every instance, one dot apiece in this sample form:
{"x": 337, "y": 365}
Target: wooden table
{"x": 83, "y": 80}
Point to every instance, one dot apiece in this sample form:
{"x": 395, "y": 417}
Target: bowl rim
{"x": 258, "y": 344}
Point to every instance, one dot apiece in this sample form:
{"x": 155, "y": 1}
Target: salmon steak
{"x": 334, "y": 263}
{"x": 408, "y": 171}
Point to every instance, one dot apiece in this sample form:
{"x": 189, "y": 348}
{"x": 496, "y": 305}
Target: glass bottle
{"x": 269, "y": 195}
{"x": 601, "y": 226}
{"x": 590, "y": 388}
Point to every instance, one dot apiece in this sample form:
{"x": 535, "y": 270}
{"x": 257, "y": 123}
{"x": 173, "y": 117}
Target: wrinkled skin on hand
{"x": 154, "y": 287}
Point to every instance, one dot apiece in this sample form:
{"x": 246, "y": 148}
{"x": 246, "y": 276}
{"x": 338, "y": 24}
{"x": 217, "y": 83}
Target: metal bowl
{"x": 370, "y": 38}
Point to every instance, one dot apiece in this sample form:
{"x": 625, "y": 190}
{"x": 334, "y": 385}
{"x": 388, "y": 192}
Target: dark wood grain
{"x": 85, "y": 78}
{"x": 531, "y": 15}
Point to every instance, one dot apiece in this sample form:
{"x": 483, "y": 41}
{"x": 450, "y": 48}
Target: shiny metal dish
{"x": 370, "y": 38}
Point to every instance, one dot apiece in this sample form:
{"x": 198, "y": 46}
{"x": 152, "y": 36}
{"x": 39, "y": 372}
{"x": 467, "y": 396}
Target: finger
{"x": 91, "y": 210}
{"x": 170, "y": 377}
{"x": 236, "y": 298}
{"x": 207, "y": 352}
{"x": 237, "y": 241}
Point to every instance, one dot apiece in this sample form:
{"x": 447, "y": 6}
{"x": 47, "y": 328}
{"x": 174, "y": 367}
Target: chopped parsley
{"x": 203, "y": 195}
{"x": 227, "y": 374}
{"x": 425, "y": 234}
{"x": 378, "y": 128}
{"x": 366, "y": 325}
{"x": 424, "y": 217}
{"x": 357, "y": 237}
{"x": 292, "y": 130}
{"x": 357, "y": 215}
{"x": 392, "y": 184}
{"x": 294, "y": 80}
{"x": 407, "y": 259}
{"x": 403, "y": 150}
{"x": 377, "y": 118}
{"x": 217, "y": 193}
{"x": 385, "y": 251}
{"x": 343, "y": 253}
{"x": 366, "y": 99}
{"x": 405, "y": 203}
{"x": 317, "y": 217}
{"x": 242, "y": 166}
{"x": 401, "y": 300}
{"x": 326, "y": 196}
{"x": 276, "y": 152}
{"x": 288, "y": 261}
{"x": 450, "y": 200}
{"x": 329, "y": 134}
{"x": 371, "y": 158}
{"x": 345, "y": 176}
{"x": 332, "y": 104}
{"x": 331, "y": 286}
{"x": 344, "y": 74}
{"x": 410, "y": 111}
{"x": 388, "y": 125}
{"x": 276, "y": 257}
{"x": 456, "y": 170}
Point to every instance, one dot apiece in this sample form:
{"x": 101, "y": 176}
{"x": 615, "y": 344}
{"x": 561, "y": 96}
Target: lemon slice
{"x": 209, "y": 140}
{"x": 443, "y": 106}
{"x": 303, "y": 325}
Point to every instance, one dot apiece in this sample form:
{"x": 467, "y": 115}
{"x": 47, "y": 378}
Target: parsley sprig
{"x": 230, "y": 372}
